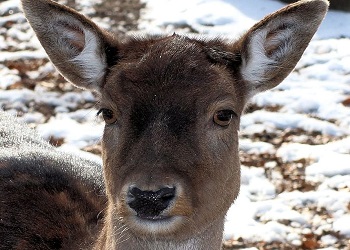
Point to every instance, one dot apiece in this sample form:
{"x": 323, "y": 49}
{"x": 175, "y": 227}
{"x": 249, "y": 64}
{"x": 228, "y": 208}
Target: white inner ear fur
{"x": 257, "y": 63}
{"x": 91, "y": 60}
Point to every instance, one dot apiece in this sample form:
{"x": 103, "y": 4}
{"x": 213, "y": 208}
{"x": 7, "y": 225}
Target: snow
{"x": 9, "y": 77}
{"x": 12, "y": 96}
{"x": 6, "y": 6}
{"x": 13, "y": 56}
{"x": 240, "y": 222}
{"x": 197, "y": 14}
{"x": 341, "y": 225}
{"x": 74, "y": 150}
{"x": 330, "y": 165}
{"x": 12, "y": 18}
{"x": 35, "y": 118}
{"x": 287, "y": 120}
{"x": 78, "y": 135}
{"x": 229, "y": 19}
{"x": 256, "y": 147}
{"x": 311, "y": 99}
{"x": 260, "y": 188}
{"x": 328, "y": 240}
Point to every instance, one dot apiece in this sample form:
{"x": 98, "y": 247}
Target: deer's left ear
{"x": 75, "y": 45}
{"x": 271, "y": 48}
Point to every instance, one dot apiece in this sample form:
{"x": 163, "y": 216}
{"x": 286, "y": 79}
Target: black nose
{"x": 150, "y": 204}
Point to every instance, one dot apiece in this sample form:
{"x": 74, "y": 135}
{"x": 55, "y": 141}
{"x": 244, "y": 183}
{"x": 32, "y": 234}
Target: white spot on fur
{"x": 253, "y": 69}
{"x": 91, "y": 61}
{"x": 257, "y": 63}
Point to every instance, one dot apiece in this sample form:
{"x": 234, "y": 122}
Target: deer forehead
{"x": 172, "y": 73}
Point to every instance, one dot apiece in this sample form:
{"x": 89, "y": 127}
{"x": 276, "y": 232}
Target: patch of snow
{"x": 286, "y": 120}
{"x": 251, "y": 147}
{"x": 35, "y": 118}
{"x": 8, "y": 77}
{"x": 76, "y": 134}
{"x": 341, "y": 225}
{"x": 20, "y": 95}
{"x": 337, "y": 182}
{"x": 7, "y": 6}
{"x": 230, "y": 18}
{"x": 328, "y": 240}
{"x": 15, "y": 18}
{"x": 22, "y": 55}
{"x": 74, "y": 150}
{"x": 329, "y": 165}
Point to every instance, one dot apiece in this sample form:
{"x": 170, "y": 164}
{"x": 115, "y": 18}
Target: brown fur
{"x": 160, "y": 97}
{"x": 47, "y": 200}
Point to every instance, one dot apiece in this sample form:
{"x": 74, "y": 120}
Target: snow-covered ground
{"x": 295, "y": 139}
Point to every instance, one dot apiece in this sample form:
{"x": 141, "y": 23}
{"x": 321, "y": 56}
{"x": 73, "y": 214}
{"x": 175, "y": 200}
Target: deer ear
{"x": 271, "y": 48}
{"x": 75, "y": 45}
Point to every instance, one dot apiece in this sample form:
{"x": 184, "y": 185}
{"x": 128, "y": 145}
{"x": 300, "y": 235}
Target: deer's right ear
{"x": 75, "y": 45}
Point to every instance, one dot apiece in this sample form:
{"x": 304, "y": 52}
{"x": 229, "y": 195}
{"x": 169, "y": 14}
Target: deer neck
{"x": 114, "y": 236}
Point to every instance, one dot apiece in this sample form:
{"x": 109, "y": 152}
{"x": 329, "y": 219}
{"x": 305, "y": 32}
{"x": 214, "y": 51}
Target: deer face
{"x": 172, "y": 108}
{"x": 170, "y": 141}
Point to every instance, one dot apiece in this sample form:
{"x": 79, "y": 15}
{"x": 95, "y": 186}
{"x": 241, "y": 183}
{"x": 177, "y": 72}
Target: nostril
{"x": 135, "y": 193}
{"x": 166, "y": 194}
{"x": 149, "y": 204}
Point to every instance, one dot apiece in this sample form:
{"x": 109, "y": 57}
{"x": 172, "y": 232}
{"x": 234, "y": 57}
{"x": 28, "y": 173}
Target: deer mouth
{"x": 158, "y": 218}
{"x": 151, "y": 218}
{"x": 157, "y": 225}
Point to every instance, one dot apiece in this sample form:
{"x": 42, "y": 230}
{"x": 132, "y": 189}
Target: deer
{"x": 170, "y": 158}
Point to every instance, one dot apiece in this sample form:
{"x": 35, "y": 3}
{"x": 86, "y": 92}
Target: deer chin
{"x": 157, "y": 226}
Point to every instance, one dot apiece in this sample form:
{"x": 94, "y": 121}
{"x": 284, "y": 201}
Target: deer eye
{"x": 223, "y": 117}
{"x": 108, "y": 115}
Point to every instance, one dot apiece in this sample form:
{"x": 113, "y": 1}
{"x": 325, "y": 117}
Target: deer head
{"x": 172, "y": 107}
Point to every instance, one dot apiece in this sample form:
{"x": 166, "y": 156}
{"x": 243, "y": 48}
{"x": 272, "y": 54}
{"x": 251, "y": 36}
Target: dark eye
{"x": 223, "y": 117}
{"x": 108, "y": 115}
